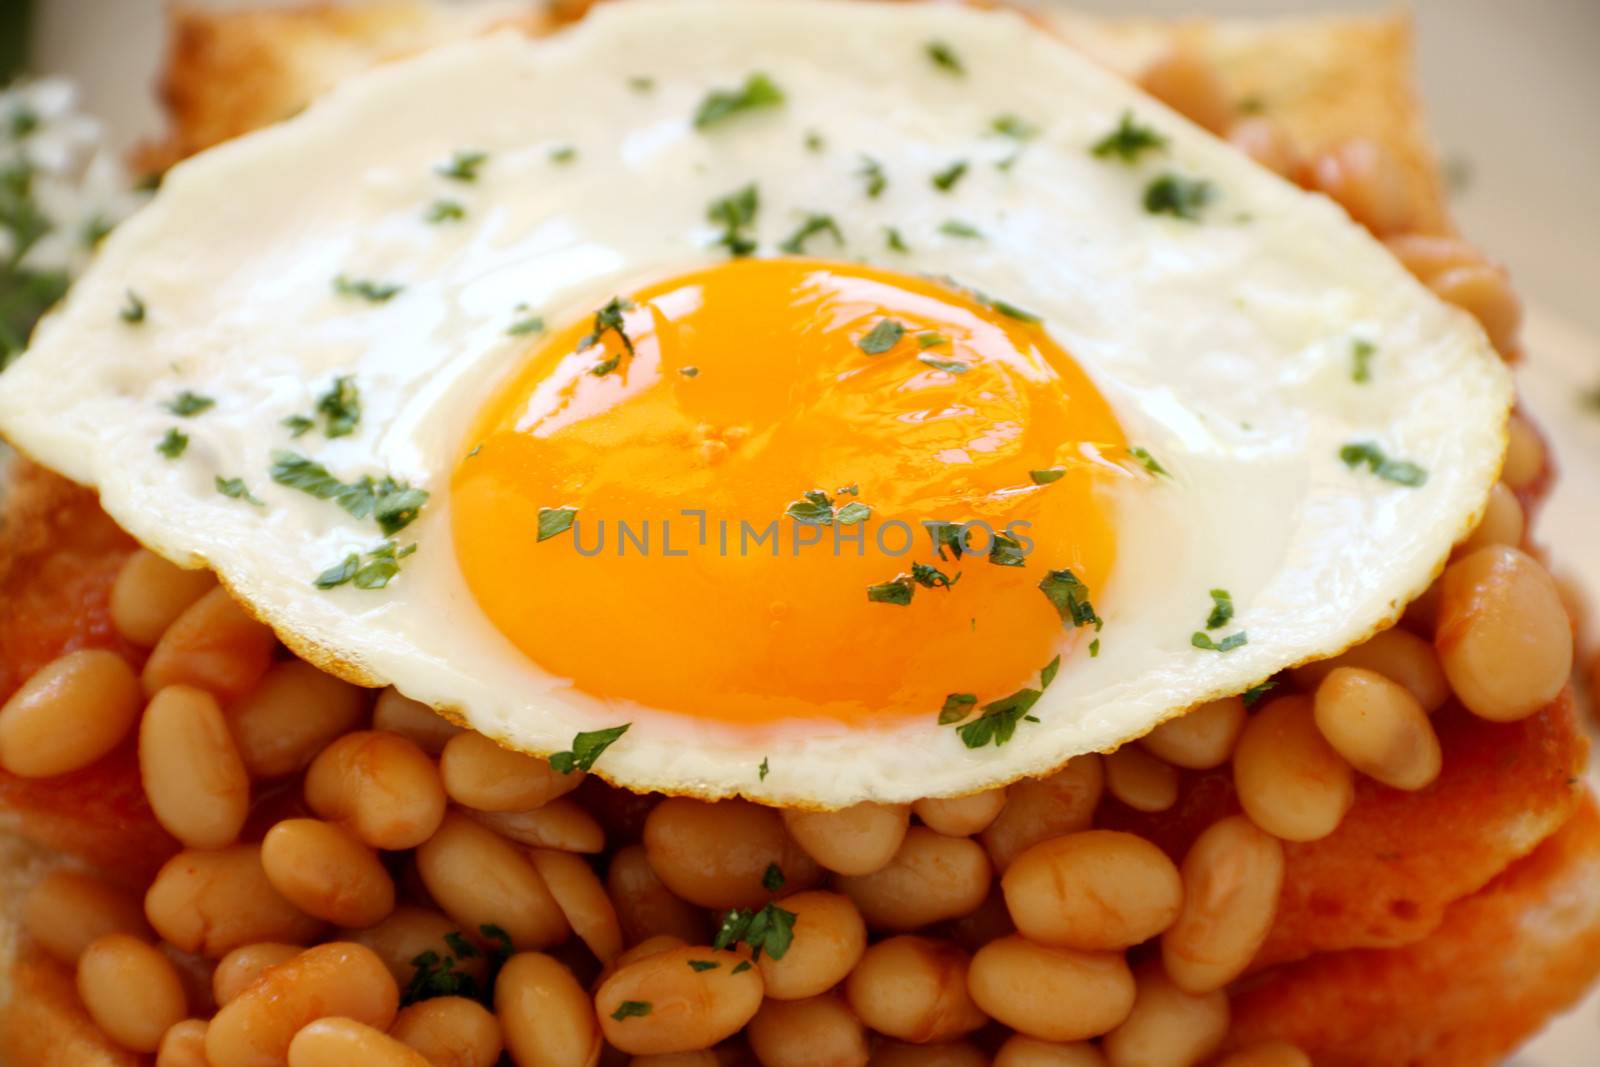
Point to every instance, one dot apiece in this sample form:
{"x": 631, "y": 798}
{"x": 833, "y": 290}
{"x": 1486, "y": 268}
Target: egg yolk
{"x": 742, "y": 474}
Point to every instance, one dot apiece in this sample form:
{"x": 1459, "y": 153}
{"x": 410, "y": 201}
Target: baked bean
{"x": 1398, "y": 655}
{"x": 663, "y": 1004}
{"x": 342, "y": 1042}
{"x": 582, "y": 900}
{"x": 407, "y": 933}
{"x": 1188, "y": 82}
{"x": 931, "y": 878}
{"x": 131, "y": 991}
{"x": 1503, "y": 636}
{"x": 829, "y": 938}
{"x": 379, "y": 786}
{"x": 479, "y": 878}
{"x": 1290, "y": 781}
{"x": 650, "y": 946}
{"x": 191, "y": 771}
{"x": 1271, "y": 1054}
{"x": 1364, "y": 177}
{"x": 949, "y": 1054}
{"x": 1525, "y": 458}
{"x": 1201, "y": 738}
{"x": 1378, "y": 727}
{"x": 560, "y": 824}
{"x": 183, "y": 1045}
{"x": 1054, "y": 994}
{"x": 819, "y": 1031}
{"x": 66, "y": 910}
{"x": 1168, "y": 1027}
{"x": 479, "y": 773}
{"x": 1231, "y": 878}
{"x": 645, "y": 906}
{"x": 1139, "y": 780}
{"x": 211, "y": 902}
{"x": 413, "y": 720}
{"x": 1501, "y": 523}
{"x": 450, "y": 1032}
{"x": 195, "y": 974}
{"x": 1428, "y": 255}
{"x": 239, "y": 969}
{"x": 960, "y": 816}
{"x": 333, "y": 980}
{"x": 546, "y": 1017}
{"x": 716, "y": 854}
{"x": 324, "y": 871}
{"x": 1098, "y": 889}
{"x": 214, "y": 645}
{"x": 72, "y": 711}
{"x": 991, "y": 920}
{"x": 1484, "y": 291}
{"x": 1040, "y": 808}
{"x": 150, "y": 593}
{"x": 856, "y": 840}
{"x": 1023, "y": 1051}
{"x": 914, "y": 988}
{"x": 287, "y": 719}
{"x": 700, "y": 1057}
{"x": 1267, "y": 142}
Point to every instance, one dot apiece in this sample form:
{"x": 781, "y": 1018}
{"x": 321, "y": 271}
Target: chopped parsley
{"x": 946, "y": 179}
{"x": 366, "y": 289}
{"x": 882, "y": 337}
{"x": 758, "y": 92}
{"x": 297, "y": 424}
{"x": 894, "y": 241}
{"x": 1399, "y": 471}
{"x": 444, "y": 211}
{"x": 641, "y": 84}
{"x": 736, "y": 213}
{"x": 871, "y": 172}
{"x": 998, "y": 722}
{"x": 772, "y": 879}
{"x": 930, "y": 577}
{"x": 1361, "y": 353}
{"x": 1071, "y": 599}
{"x": 770, "y": 930}
{"x": 957, "y": 706}
{"x": 896, "y": 590}
{"x": 814, "y": 224}
{"x": 1173, "y": 194}
{"x": 133, "y": 309}
{"x": 949, "y": 366}
{"x": 608, "y": 320}
{"x": 701, "y": 966}
{"x": 946, "y": 535}
{"x": 744, "y": 965}
{"x": 1201, "y": 639}
{"x": 1048, "y": 475}
{"x": 369, "y": 570}
{"x": 586, "y": 749}
{"x": 1221, "y": 609}
{"x": 1006, "y": 551}
{"x": 764, "y": 769}
{"x": 95, "y": 230}
{"x": 463, "y": 166}
{"x": 815, "y": 508}
{"x": 931, "y": 339}
{"x": 393, "y": 505}
{"x": 1146, "y": 460}
{"x": 563, "y": 154}
{"x": 630, "y": 1009}
{"x": 689, "y": 372}
{"x": 173, "y": 444}
{"x": 189, "y": 404}
{"x": 1253, "y": 695}
{"x": 436, "y": 973}
{"x": 1006, "y": 308}
{"x": 1014, "y": 127}
{"x": 1048, "y": 674}
{"x": 815, "y": 141}
{"x": 958, "y": 228}
{"x": 340, "y": 407}
{"x": 1128, "y": 141}
{"x": 553, "y": 521}
{"x": 526, "y": 323}
{"x": 235, "y": 489}
{"x": 944, "y": 57}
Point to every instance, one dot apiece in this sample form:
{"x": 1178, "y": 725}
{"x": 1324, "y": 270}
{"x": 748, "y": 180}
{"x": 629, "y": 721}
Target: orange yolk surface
{"x": 683, "y": 585}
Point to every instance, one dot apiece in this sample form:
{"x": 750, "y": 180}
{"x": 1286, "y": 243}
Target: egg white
{"x": 1222, "y": 344}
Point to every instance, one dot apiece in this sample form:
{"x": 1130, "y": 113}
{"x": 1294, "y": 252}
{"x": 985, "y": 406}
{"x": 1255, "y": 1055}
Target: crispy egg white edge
{"x": 1443, "y": 403}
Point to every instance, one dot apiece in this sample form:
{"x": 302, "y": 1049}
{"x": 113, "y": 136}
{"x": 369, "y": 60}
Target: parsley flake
{"x": 340, "y": 407}
{"x": 1014, "y": 127}
{"x": 871, "y": 172}
{"x": 945, "y": 535}
{"x": 1173, "y": 194}
{"x": 998, "y": 722}
{"x": 958, "y": 228}
{"x": 1399, "y": 471}
{"x": 553, "y": 521}
{"x": 894, "y": 241}
{"x": 1070, "y": 596}
{"x": 608, "y": 320}
{"x": 173, "y": 444}
{"x": 563, "y": 154}
{"x": 133, "y": 309}
{"x": 1221, "y": 609}
{"x": 297, "y": 424}
{"x": 370, "y": 570}
{"x": 1048, "y": 674}
{"x": 896, "y": 590}
{"x": 235, "y": 489}
{"x": 930, "y": 577}
{"x": 1361, "y": 353}
{"x": 949, "y": 366}
{"x": 931, "y": 339}
{"x": 764, "y": 769}
{"x": 1048, "y": 475}
{"x": 189, "y": 404}
{"x": 758, "y": 92}
{"x": 392, "y": 504}
{"x": 1201, "y": 639}
{"x": 957, "y": 706}
{"x": 773, "y": 880}
{"x": 946, "y": 179}
{"x": 1128, "y": 141}
{"x": 366, "y": 289}
{"x": 463, "y": 166}
{"x": 770, "y": 930}
{"x": 1253, "y": 695}
{"x": 1146, "y": 460}
{"x": 882, "y": 337}
{"x": 526, "y": 324}
{"x": 1006, "y": 551}
{"x": 444, "y": 211}
{"x": 815, "y": 508}
{"x": 586, "y": 749}
{"x": 814, "y": 224}
{"x": 630, "y": 1009}
{"x": 641, "y": 84}
{"x": 744, "y": 965}
{"x": 701, "y": 966}
{"x": 736, "y": 213}
{"x": 944, "y": 57}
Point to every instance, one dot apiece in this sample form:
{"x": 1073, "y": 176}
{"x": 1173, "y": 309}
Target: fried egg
{"x": 857, "y": 402}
